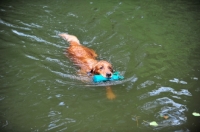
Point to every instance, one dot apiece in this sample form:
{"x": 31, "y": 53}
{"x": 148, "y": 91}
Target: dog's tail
{"x": 70, "y": 38}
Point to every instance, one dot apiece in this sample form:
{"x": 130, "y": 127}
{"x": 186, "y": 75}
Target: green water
{"x": 153, "y": 44}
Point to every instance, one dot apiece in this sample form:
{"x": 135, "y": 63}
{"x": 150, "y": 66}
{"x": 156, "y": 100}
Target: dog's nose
{"x": 108, "y": 74}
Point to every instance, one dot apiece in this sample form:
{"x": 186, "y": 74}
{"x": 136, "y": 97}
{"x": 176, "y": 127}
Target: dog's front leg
{"x": 109, "y": 93}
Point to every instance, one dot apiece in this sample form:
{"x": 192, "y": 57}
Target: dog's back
{"x": 85, "y": 58}
{"x": 79, "y": 51}
{"x": 80, "y": 55}
{"x": 76, "y": 49}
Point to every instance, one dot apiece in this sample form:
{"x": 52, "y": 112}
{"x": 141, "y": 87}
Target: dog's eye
{"x": 101, "y": 68}
{"x": 110, "y": 69}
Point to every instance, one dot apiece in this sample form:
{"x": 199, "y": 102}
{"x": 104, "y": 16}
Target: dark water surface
{"x": 154, "y": 44}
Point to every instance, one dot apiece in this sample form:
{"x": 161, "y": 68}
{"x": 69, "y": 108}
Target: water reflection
{"x": 145, "y": 84}
{"x": 165, "y": 106}
{"x": 178, "y": 81}
{"x": 166, "y": 89}
{"x": 57, "y": 121}
{"x": 35, "y": 38}
{"x": 12, "y": 26}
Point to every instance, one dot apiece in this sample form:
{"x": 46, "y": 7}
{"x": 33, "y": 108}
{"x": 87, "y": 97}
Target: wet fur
{"x": 85, "y": 58}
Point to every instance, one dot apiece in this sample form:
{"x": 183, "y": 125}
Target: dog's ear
{"x": 111, "y": 69}
{"x": 94, "y": 70}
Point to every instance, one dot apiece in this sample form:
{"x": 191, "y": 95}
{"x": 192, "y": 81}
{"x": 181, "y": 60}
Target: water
{"x": 154, "y": 44}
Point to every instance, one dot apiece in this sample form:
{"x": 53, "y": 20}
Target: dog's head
{"x": 103, "y": 68}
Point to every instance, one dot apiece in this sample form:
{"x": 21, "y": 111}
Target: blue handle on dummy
{"x": 100, "y": 78}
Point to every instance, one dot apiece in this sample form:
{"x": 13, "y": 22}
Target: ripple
{"x": 112, "y": 11}
{"x": 72, "y": 14}
{"x": 70, "y": 76}
{"x": 165, "y": 89}
{"x": 2, "y": 98}
{"x": 168, "y": 107}
{"x": 175, "y": 80}
{"x": 61, "y": 104}
{"x": 58, "y": 121}
{"x": 168, "y": 89}
{"x": 10, "y": 25}
{"x": 145, "y": 84}
{"x": 32, "y": 37}
{"x": 57, "y": 61}
{"x": 32, "y": 57}
{"x": 32, "y": 25}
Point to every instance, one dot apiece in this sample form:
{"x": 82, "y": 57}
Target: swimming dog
{"x": 85, "y": 58}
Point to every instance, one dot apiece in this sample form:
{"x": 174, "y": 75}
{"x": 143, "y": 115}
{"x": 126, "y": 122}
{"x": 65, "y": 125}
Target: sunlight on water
{"x": 12, "y": 26}
{"x": 165, "y": 90}
{"x": 166, "y": 106}
{"x": 34, "y": 38}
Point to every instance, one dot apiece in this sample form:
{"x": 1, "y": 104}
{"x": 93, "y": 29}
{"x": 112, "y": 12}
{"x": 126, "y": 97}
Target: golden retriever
{"x": 85, "y": 58}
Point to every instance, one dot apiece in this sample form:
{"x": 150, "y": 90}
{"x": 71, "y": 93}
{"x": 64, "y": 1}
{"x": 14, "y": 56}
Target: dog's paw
{"x": 111, "y": 96}
{"x": 109, "y": 93}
